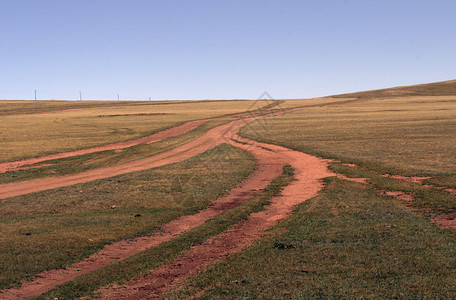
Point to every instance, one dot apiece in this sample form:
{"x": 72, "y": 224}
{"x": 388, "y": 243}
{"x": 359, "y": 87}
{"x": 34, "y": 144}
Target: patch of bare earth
{"x": 399, "y": 195}
{"x": 414, "y": 179}
{"x": 420, "y": 180}
{"x": 349, "y": 165}
{"x": 353, "y": 179}
{"x": 446, "y": 221}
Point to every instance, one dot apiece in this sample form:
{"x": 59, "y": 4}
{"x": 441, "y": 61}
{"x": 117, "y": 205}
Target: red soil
{"x": 349, "y": 165}
{"x": 446, "y": 221}
{"x": 414, "y": 179}
{"x": 353, "y": 179}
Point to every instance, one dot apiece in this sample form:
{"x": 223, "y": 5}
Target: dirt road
{"x": 156, "y": 137}
{"x": 211, "y": 139}
{"x": 269, "y": 167}
{"x": 171, "y": 132}
{"x": 309, "y": 171}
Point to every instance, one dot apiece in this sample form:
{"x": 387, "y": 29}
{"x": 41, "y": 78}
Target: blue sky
{"x": 217, "y": 49}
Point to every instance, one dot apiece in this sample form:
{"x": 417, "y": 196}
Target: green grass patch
{"x": 54, "y": 228}
{"x": 143, "y": 262}
{"x": 346, "y": 243}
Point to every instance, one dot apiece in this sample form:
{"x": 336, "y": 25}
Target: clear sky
{"x": 221, "y": 49}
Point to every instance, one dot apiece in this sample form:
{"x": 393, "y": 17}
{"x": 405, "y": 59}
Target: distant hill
{"x": 443, "y": 88}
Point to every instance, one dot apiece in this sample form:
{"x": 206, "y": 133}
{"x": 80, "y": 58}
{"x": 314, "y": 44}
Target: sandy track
{"x": 309, "y": 171}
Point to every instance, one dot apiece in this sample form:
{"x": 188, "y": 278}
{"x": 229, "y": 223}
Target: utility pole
{"x": 117, "y": 97}
{"x": 80, "y": 96}
{"x": 35, "y": 95}
{"x": 149, "y": 98}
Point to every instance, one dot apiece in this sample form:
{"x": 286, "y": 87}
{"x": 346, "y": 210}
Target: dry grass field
{"x": 443, "y": 88}
{"x": 410, "y": 135}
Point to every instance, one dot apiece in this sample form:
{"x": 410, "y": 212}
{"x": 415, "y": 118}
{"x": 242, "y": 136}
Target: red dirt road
{"x": 211, "y": 139}
{"x": 269, "y": 167}
{"x": 175, "y": 131}
{"x": 156, "y": 137}
{"x": 309, "y": 171}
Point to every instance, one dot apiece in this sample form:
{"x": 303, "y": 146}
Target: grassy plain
{"x": 427, "y": 200}
{"x": 12, "y": 107}
{"x": 352, "y": 241}
{"x": 34, "y": 128}
{"x": 54, "y": 228}
{"x": 349, "y": 242}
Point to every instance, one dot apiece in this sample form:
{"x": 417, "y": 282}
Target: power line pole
{"x": 35, "y": 95}
{"x": 117, "y": 97}
{"x": 80, "y": 96}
